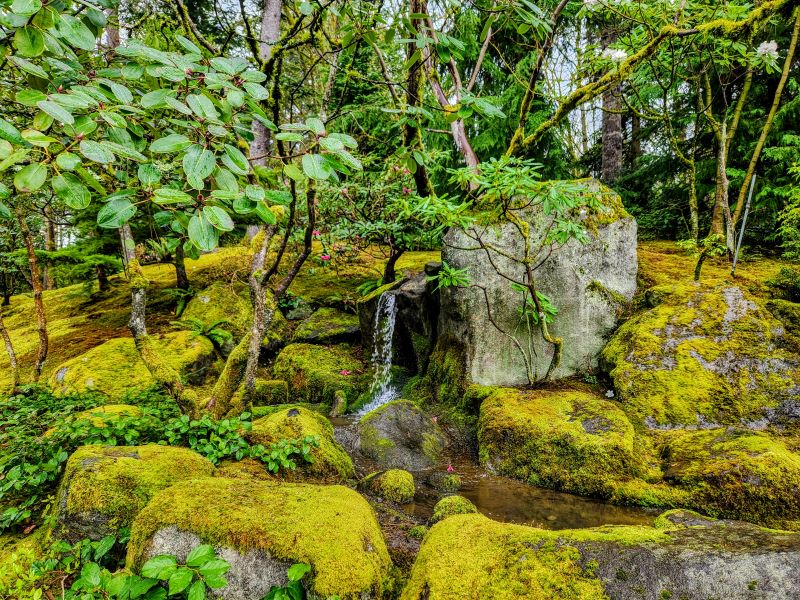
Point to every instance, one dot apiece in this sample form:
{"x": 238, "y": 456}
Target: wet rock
{"x": 588, "y": 283}
{"x": 104, "y": 487}
{"x": 685, "y": 557}
{"x": 444, "y": 481}
{"x": 394, "y": 485}
{"x": 398, "y": 435}
{"x": 269, "y": 392}
{"x": 328, "y": 326}
{"x": 261, "y": 528}
{"x": 452, "y": 505}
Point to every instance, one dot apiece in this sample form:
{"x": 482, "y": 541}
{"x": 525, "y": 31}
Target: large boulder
{"x": 330, "y": 461}
{"x": 261, "y": 528}
{"x": 315, "y": 373}
{"x": 328, "y": 326}
{"x": 114, "y": 368}
{"x": 104, "y": 487}
{"x": 686, "y": 556}
{"x": 569, "y": 440}
{"x": 589, "y": 283}
{"x": 704, "y": 357}
{"x": 398, "y": 435}
{"x": 395, "y": 485}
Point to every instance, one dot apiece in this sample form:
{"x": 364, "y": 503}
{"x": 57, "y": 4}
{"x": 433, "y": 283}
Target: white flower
{"x": 614, "y": 55}
{"x": 610, "y": 394}
{"x": 768, "y": 49}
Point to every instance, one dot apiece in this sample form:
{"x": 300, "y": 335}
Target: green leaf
{"x": 200, "y": 555}
{"x": 331, "y": 144}
{"x": 235, "y": 160}
{"x": 5, "y": 212}
{"x": 235, "y": 98}
{"x": 30, "y": 97}
{"x": 71, "y": 191}
{"x": 148, "y": 174}
{"x": 316, "y": 125}
{"x": 121, "y": 93}
{"x": 26, "y": 8}
{"x": 316, "y": 167}
{"x": 29, "y": 41}
{"x": 59, "y": 113}
{"x": 254, "y": 76}
{"x": 30, "y": 178}
{"x": 160, "y": 567}
{"x": 96, "y": 152}
{"x": 255, "y": 192}
{"x": 197, "y": 591}
{"x": 68, "y": 161}
{"x": 202, "y": 233}
{"x": 265, "y": 214}
{"x": 255, "y": 90}
{"x": 214, "y": 568}
{"x": 219, "y": 218}
{"x": 202, "y": 106}
{"x": 171, "y": 143}
{"x": 198, "y": 163}
{"x": 114, "y": 215}
{"x": 297, "y": 571}
{"x": 293, "y": 172}
{"x": 37, "y": 138}
{"x": 167, "y": 195}
{"x": 178, "y": 105}
{"x": 12, "y": 159}
{"x": 289, "y": 136}
{"x": 75, "y": 33}
{"x": 90, "y": 573}
{"x": 188, "y": 45}
{"x": 180, "y": 580}
{"x": 10, "y": 133}
{"x": 103, "y": 546}
{"x": 28, "y": 66}
{"x": 155, "y": 98}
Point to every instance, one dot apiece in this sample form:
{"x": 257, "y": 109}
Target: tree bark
{"x": 270, "y": 31}
{"x": 181, "y": 278}
{"x": 389, "y": 273}
{"x": 49, "y": 245}
{"x": 38, "y": 301}
{"x": 411, "y": 134}
{"x": 102, "y": 277}
{"x": 12, "y": 356}
{"x": 612, "y": 140}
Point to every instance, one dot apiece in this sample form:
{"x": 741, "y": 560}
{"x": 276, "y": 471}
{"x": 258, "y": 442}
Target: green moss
{"x": 102, "y": 416}
{"x": 222, "y": 302}
{"x": 314, "y": 373}
{"x": 395, "y": 485}
{"x": 569, "y": 440}
{"x": 331, "y": 461}
{"x": 269, "y": 392}
{"x": 265, "y": 411}
{"x": 327, "y": 325}
{"x": 444, "y": 381}
{"x": 470, "y": 556}
{"x": 417, "y": 532}
{"x": 104, "y": 487}
{"x": 115, "y": 367}
{"x": 452, "y": 505}
{"x": 331, "y": 528}
{"x": 248, "y": 468}
{"x": 17, "y": 555}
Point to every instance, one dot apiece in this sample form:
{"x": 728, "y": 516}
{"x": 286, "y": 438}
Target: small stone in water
{"x": 552, "y": 518}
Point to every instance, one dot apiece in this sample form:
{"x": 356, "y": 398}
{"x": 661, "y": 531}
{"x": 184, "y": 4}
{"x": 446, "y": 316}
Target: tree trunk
{"x": 411, "y": 134}
{"x": 38, "y": 301}
{"x": 636, "y": 139}
{"x": 181, "y": 278}
{"x": 389, "y": 274}
{"x": 12, "y": 356}
{"x": 612, "y": 124}
{"x": 270, "y": 31}
{"x": 49, "y": 245}
{"x": 102, "y": 278}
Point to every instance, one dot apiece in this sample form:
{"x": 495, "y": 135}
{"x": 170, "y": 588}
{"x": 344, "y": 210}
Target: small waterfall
{"x": 382, "y": 389}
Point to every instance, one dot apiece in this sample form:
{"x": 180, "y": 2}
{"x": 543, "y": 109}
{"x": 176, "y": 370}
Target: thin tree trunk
{"x": 49, "y": 244}
{"x": 762, "y": 139}
{"x": 102, "y": 278}
{"x": 612, "y": 140}
{"x": 181, "y": 278}
{"x": 389, "y": 274}
{"x": 412, "y": 138}
{"x": 270, "y": 31}
{"x": 12, "y": 356}
{"x": 636, "y": 138}
{"x": 38, "y": 301}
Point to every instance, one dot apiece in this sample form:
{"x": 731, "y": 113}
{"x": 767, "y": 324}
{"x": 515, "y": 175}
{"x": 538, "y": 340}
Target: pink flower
{"x": 406, "y": 190}
{"x": 406, "y": 172}
{"x": 434, "y": 419}
{"x": 325, "y": 257}
{"x": 346, "y": 192}
{"x": 316, "y": 233}
{"x": 344, "y": 372}
{"x": 450, "y": 468}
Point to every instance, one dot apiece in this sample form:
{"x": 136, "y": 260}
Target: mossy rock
{"x": 315, "y": 373}
{"x": 707, "y": 355}
{"x": 249, "y": 468}
{"x": 395, "y": 485}
{"x": 261, "y": 528}
{"x": 736, "y": 473}
{"x": 115, "y": 368}
{"x": 104, "y": 487}
{"x": 444, "y": 481}
{"x": 328, "y": 326}
{"x": 269, "y": 392}
{"x": 569, "y": 440}
{"x": 452, "y": 505}
{"x": 398, "y": 435}
{"x": 17, "y": 554}
{"x": 471, "y": 556}
{"x": 331, "y": 461}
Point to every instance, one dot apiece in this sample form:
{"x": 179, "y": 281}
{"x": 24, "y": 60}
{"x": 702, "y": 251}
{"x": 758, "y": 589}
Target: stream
{"x": 497, "y": 497}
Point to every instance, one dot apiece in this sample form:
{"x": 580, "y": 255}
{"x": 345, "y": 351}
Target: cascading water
{"x": 382, "y": 389}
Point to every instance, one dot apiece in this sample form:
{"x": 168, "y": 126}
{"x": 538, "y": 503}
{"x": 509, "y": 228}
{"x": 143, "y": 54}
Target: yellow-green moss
{"x": 104, "y": 487}
{"x": 249, "y": 468}
{"x": 331, "y": 461}
{"x": 331, "y": 528}
{"x": 17, "y": 555}
{"x": 327, "y": 325}
{"x": 470, "y": 556}
{"x": 567, "y": 439}
{"x": 222, "y": 301}
{"x": 269, "y": 392}
{"x": 445, "y": 380}
{"x": 452, "y": 505}
{"x": 395, "y": 485}
{"x": 115, "y": 367}
{"x": 315, "y": 373}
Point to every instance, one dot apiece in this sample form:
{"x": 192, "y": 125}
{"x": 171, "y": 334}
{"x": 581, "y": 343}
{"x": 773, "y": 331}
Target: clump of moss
{"x": 265, "y": 411}
{"x": 331, "y": 461}
{"x": 103, "y": 416}
{"x": 417, "y": 532}
{"x": 567, "y": 439}
{"x": 452, "y": 505}
{"x": 115, "y": 367}
{"x": 315, "y": 373}
{"x": 470, "y": 556}
{"x": 445, "y": 380}
{"x": 222, "y": 302}
{"x": 331, "y": 528}
{"x": 248, "y": 468}
{"x": 328, "y": 326}
{"x": 395, "y": 485}
{"x": 445, "y": 482}
{"x": 104, "y": 487}
{"x": 269, "y": 392}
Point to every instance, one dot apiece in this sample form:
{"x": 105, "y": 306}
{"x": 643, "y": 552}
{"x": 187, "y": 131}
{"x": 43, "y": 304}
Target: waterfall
{"x": 382, "y": 390}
